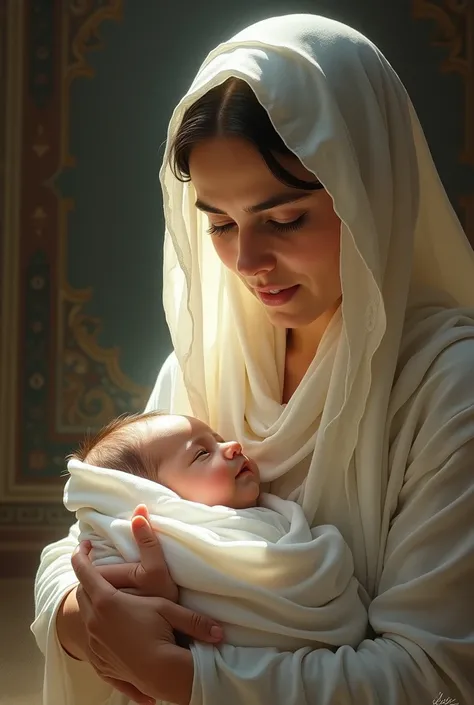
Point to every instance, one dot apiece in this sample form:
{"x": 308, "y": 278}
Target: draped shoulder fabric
{"x": 340, "y": 107}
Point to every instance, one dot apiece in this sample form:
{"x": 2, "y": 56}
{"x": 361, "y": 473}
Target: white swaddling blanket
{"x": 261, "y": 572}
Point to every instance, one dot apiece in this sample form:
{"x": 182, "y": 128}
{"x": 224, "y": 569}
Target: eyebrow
{"x": 272, "y": 202}
{"x": 201, "y": 439}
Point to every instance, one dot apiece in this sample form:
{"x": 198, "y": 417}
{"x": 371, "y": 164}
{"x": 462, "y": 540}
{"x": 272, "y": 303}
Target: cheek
{"x": 226, "y": 250}
{"x": 214, "y": 485}
{"x": 220, "y": 475}
{"x": 319, "y": 246}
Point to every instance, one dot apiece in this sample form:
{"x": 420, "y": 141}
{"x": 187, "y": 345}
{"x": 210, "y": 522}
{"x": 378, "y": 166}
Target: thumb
{"x": 149, "y": 546}
{"x": 142, "y": 511}
{"x": 191, "y": 623}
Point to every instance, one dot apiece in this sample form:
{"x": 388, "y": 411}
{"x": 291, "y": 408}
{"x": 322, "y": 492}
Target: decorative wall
{"x": 86, "y": 91}
{"x": 453, "y": 32}
{"x": 57, "y": 380}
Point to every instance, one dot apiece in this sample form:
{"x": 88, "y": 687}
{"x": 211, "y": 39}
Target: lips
{"x": 270, "y": 289}
{"x": 272, "y": 296}
{"x": 245, "y": 467}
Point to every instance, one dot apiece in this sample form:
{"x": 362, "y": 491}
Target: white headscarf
{"x": 339, "y": 106}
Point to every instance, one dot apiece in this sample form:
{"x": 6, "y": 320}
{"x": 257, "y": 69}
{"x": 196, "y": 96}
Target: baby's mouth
{"x": 244, "y": 469}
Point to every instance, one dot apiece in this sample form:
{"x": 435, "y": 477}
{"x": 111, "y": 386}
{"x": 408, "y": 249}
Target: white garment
{"x": 261, "y": 572}
{"x": 339, "y": 106}
{"x": 391, "y": 463}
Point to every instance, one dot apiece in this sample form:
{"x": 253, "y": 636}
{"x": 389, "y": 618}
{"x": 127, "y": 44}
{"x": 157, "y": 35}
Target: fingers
{"x": 84, "y": 604}
{"x": 132, "y": 591}
{"x": 142, "y": 511}
{"x": 120, "y": 575}
{"x": 188, "y": 622}
{"x": 134, "y": 580}
{"x": 91, "y": 580}
{"x": 151, "y": 553}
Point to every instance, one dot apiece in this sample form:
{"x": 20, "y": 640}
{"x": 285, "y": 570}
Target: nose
{"x": 231, "y": 449}
{"x": 254, "y": 256}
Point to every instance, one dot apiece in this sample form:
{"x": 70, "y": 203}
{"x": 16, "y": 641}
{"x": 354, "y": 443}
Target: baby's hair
{"x": 117, "y": 445}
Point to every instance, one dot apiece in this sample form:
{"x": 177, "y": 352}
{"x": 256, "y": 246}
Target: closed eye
{"x": 200, "y": 454}
{"x": 219, "y": 229}
{"x": 274, "y": 224}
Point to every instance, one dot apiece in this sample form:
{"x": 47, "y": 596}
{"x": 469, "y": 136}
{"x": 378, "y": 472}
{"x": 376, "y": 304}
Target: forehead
{"x": 170, "y": 433}
{"x": 231, "y": 170}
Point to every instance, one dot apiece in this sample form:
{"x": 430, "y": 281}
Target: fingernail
{"x": 217, "y": 633}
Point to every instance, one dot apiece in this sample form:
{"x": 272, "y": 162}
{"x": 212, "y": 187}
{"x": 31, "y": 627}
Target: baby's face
{"x": 199, "y": 465}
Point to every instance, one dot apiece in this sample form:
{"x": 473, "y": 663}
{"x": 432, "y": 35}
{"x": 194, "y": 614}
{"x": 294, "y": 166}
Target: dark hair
{"x": 232, "y": 109}
{"x": 117, "y": 446}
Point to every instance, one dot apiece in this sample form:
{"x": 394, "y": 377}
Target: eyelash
{"x": 200, "y": 454}
{"x": 279, "y": 227}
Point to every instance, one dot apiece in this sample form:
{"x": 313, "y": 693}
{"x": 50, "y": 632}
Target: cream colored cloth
{"x": 390, "y": 462}
{"x": 405, "y": 264}
{"x": 261, "y": 572}
{"x": 339, "y": 106}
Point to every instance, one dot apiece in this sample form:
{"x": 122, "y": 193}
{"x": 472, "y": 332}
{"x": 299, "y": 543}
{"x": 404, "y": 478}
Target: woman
{"x": 327, "y": 322}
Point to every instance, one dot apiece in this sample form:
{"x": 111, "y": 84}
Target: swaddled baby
{"x": 245, "y": 558}
{"x": 180, "y": 453}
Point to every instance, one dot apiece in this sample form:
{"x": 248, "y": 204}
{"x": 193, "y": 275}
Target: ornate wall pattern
{"x": 57, "y": 382}
{"x": 453, "y": 31}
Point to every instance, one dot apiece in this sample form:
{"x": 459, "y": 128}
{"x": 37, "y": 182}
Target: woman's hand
{"x": 150, "y": 577}
{"x": 130, "y": 640}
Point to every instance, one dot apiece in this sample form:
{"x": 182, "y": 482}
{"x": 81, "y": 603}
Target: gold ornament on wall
{"x": 82, "y": 405}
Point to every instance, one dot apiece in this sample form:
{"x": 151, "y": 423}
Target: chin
{"x": 316, "y": 312}
{"x": 248, "y": 501}
{"x": 294, "y": 319}
{"x": 248, "y": 505}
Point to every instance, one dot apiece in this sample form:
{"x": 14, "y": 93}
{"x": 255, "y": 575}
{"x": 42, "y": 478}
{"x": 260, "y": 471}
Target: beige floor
{"x": 21, "y": 667}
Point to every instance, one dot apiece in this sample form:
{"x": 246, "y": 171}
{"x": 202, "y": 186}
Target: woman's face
{"x": 282, "y": 242}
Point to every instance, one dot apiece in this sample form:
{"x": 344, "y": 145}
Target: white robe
{"x": 429, "y": 571}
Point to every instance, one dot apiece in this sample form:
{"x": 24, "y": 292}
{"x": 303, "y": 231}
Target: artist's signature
{"x": 442, "y": 700}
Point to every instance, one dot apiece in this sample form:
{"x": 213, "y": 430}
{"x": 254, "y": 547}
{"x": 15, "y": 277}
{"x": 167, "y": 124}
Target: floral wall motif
{"x": 58, "y": 380}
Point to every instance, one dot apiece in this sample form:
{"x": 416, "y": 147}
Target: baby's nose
{"x": 231, "y": 449}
